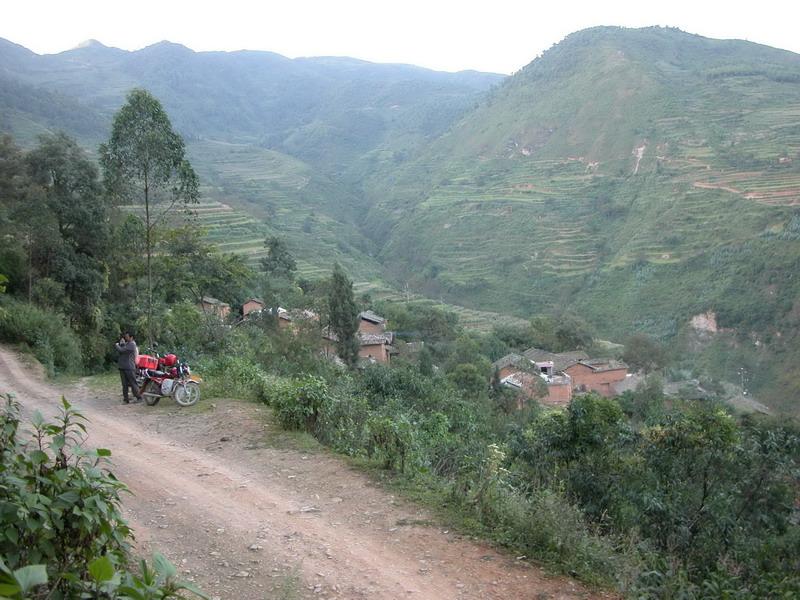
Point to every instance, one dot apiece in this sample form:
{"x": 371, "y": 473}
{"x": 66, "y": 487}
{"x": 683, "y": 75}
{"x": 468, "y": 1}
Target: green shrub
{"x": 343, "y": 423}
{"x": 299, "y": 403}
{"x": 232, "y": 377}
{"x": 63, "y": 533}
{"x": 48, "y": 336}
{"x": 391, "y": 438}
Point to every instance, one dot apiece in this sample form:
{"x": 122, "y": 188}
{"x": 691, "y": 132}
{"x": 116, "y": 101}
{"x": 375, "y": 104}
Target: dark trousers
{"x": 128, "y": 381}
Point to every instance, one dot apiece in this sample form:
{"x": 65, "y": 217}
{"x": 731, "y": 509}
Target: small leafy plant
{"x": 63, "y": 533}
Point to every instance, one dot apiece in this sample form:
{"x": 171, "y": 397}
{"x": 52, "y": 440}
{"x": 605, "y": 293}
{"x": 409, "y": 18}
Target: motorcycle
{"x": 166, "y": 377}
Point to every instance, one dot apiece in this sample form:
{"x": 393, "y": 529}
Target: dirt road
{"x": 245, "y": 519}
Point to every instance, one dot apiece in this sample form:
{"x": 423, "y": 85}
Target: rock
{"x": 255, "y": 547}
{"x": 242, "y": 574}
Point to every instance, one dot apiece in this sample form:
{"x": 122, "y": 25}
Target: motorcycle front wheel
{"x": 187, "y": 394}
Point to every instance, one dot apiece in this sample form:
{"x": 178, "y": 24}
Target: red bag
{"x": 145, "y": 361}
{"x": 169, "y": 360}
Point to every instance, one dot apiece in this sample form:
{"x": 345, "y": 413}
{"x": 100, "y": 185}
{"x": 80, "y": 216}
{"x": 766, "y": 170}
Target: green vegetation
{"x": 618, "y": 185}
{"x": 657, "y": 498}
{"x": 633, "y": 177}
{"x": 343, "y": 316}
{"x": 63, "y": 531}
{"x": 144, "y": 162}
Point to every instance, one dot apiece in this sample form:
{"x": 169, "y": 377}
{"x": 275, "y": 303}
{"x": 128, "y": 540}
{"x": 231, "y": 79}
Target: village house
{"x": 509, "y": 364}
{"x": 375, "y": 347}
{"x": 526, "y": 376}
{"x": 252, "y": 305}
{"x": 375, "y": 343}
{"x": 212, "y": 306}
{"x": 560, "y": 361}
{"x": 597, "y": 375}
{"x": 565, "y": 374}
{"x": 370, "y": 323}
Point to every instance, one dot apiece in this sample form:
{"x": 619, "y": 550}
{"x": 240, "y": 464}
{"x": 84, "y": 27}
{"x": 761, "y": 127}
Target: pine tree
{"x": 343, "y": 316}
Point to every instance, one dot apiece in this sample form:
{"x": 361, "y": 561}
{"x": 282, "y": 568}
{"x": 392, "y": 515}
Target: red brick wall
{"x": 249, "y": 307}
{"x": 365, "y": 326}
{"x": 585, "y": 379}
{"x": 558, "y": 394}
{"x": 379, "y": 352}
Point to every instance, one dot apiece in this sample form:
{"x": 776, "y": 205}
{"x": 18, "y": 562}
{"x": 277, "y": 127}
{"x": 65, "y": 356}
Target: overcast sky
{"x": 494, "y": 35}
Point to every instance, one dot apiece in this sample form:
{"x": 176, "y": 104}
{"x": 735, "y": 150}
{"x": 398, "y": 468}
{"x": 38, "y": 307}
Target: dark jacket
{"x": 127, "y": 355}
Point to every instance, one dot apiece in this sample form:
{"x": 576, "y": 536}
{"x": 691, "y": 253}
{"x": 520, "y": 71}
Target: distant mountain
{"x": 244, "y": 112}
{"x": 328, "y": 111}
{"x": 635, "y": 177}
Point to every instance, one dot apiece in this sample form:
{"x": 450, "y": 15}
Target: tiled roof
{"x": 370, "y": 316}
{"x": 603, "y": 364}
{"x": 210, "y": 300}
{"x": 561, "y": 360}
{"x": 372, "y": 339}
{"x": 507, "y": 361}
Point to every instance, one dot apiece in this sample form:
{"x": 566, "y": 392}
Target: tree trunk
{"x": 148, "y": 242}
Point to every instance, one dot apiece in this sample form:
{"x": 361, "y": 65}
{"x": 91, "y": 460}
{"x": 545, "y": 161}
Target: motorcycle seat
{"x": 154, "y": 373}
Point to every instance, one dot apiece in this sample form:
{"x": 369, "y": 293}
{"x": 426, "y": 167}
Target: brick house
{"x": 371, "y": 323}
{"x": 252, "y": 305}
{"x": 597, "y": 375}
{"x": 212, "y": 306}
{"x": 526, "y": 376}
{"x": 560, "y": 360}
{"x": 509, "y": 364}
{"x": 375, "y": 347}
{"x": 559, "y": 390}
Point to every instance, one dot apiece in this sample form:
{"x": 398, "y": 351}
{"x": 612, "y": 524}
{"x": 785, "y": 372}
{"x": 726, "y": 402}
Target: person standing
{"x": 126, "y": 361}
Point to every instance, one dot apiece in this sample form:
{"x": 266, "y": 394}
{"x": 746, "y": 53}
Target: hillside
{"x": 267, "y": 135}
{"x": 636, "y": 177}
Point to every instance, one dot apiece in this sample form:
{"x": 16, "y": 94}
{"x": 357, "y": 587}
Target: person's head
{"x": 127, "y": 336}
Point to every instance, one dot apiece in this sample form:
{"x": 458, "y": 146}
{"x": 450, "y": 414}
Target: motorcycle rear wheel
{"x": 187, "y": 394}
{"x": 151, "y": 394}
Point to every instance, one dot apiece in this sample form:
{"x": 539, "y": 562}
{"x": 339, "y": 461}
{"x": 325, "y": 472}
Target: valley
{"x": 636, "y": 177}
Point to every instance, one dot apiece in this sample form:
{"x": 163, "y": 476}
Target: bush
{"x": 233, "y": 377}
{"x": 63, "y": 532}
{"x": 50, "y": 339}
{"x": 391, "y": 438}
{"x": 299, "y": 403}
{"x": 343, "y": 424}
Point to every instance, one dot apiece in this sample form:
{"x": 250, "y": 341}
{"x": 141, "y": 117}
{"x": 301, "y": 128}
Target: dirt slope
{"x": 246, "y": 520}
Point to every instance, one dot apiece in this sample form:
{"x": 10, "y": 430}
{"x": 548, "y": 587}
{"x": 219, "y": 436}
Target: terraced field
{"x": 476, "y": 320}
{"x": 252, "y": 192}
